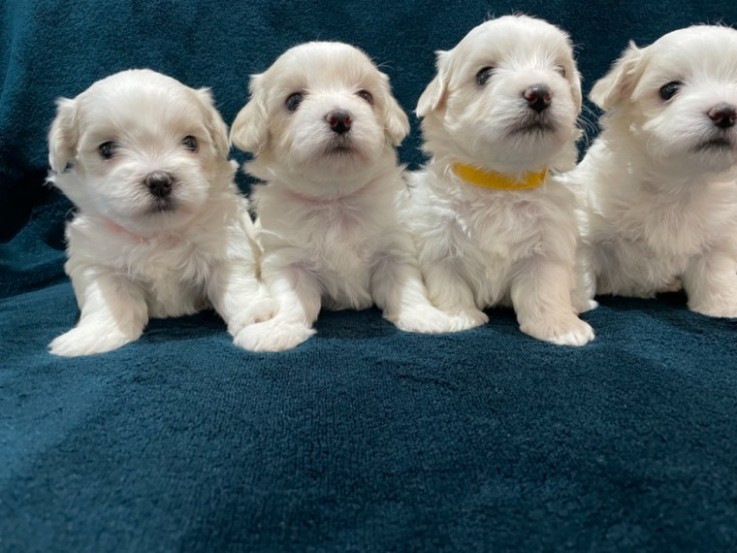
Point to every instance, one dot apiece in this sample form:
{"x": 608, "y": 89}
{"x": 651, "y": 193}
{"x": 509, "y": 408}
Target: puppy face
{"x": 507, "y": 96}
{"x": 680, "y": 95}
{"x": 322, "y": 109}
{"x": 138, "y": 148}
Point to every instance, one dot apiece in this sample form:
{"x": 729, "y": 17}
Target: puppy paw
{"x": 725, "y": 311}
{"x": 424, "y": 319}
{"x": 257, "y": 312}
{"x": 272, "y": 335}
{"x": 568, "y": 331}
{"x": 584, "y": 305}
{"x": 468, "y": 318}
{"x": 85, "y": 341}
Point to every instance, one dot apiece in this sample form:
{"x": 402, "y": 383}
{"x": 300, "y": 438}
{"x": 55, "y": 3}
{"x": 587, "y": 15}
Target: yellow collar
{"x": 498, "y": 181}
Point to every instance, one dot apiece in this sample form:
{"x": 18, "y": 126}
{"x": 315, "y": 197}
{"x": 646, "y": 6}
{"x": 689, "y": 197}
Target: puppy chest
{"x": 336, "y": 240}
{"x": 505, "y": 232}
{"x": 173, "y": 282}
{"x": 343, "y": 272}
{"x": 671, "y": 233}
{"x": 344, "y": 260}
{"x": 342, "y": 263}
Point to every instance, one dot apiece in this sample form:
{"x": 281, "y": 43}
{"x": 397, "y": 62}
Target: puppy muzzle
{"x": 538, "y": 97}
{"x": 722, "y": 138}
{"x": 723, "y": 115}
{"x": 340, "y": 121}
{"x": 159, "y": 184}
{"x": 536, "y": 116}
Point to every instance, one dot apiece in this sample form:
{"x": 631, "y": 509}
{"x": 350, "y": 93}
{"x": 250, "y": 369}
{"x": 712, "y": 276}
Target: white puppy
{"x": 491, "y": 222}
{"x": 160, "y": 229}
{"x": 322, "y": 123}
{"x": 660, "y": 183}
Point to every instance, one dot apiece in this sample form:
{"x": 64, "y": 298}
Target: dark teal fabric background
{"x": 363, "y": 438}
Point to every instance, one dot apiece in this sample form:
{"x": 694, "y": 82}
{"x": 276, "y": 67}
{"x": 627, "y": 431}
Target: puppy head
{"x": 506, "y": 97}
{"x": 322, "y": 109}
{"x": 139, "y": 148}
{"x": 678, "y": 97}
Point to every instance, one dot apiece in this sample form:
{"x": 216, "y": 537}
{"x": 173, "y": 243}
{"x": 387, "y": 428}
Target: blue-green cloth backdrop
{"x": 363, "y": 438}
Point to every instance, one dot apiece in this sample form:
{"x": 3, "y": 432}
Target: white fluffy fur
{"x": 330, "y": 230}
{"x": 661, "y": 208}
{"x": 481, "y": 247}
{"x": 128, "y": 259}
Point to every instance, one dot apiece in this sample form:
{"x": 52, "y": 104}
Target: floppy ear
{"x": 63, "y": 135}
{"x": 396, "y": 122}
{"x": 214, "y": 123}
{"x": 617, "y": 85}
{"x": 250, "y": 131}
{"x": 436, "y": 92}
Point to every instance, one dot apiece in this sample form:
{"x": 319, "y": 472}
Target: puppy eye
{"x": 667, "y": 91}
{"x": 561, "y": 70}
{"x": 366, "y": 95}
{"x": 107, "y": 150}
{"x": 190, "y": 142}
{"x": 294, "y": 101}
{"x": 484, "y": 75}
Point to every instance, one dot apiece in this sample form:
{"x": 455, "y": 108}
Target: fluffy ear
{"x": 618, "y": 85}
{"x": 436, "y": 92}
{"x": 576, "y": 90}
{"x": 214, "y": 122}
{"x": 575, "y": 80}
{"x": 395, "y": 120}
{"x": 250, "y": 130}
{"x": 63, "y": 135}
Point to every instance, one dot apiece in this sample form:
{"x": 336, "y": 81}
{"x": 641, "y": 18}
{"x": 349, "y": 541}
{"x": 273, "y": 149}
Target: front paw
{"x": 257, "y": 312}
{"x": 88, "y": 341}
{"x": 466, "y": 319}
{"x": 562, "y": 331}
{"x": 272, "y": 335}
{"x": 727, "y": 310}
{"x": 424, "y": 319}
{"x": 583, "y": 305}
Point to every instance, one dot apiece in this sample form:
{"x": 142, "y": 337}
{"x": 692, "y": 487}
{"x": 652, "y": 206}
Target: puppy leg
{"x": 449, "y": 291}
{"x": 541, "y": 295}
{"x": 238, "y": 296}
{"x": 114, "y": 313}
{"x": 711, "y": 284}
{"x": 584, "y": 289}
{"x": 298, "y": 294}
{"x": 397, "y": 289}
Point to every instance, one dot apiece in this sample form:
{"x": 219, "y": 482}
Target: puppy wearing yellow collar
{"x": 492, "y": 223}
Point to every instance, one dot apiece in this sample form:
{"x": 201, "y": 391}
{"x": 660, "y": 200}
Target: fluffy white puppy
{"x": 160, "y": 229}
{"x": 322, "y": 124}
{"x": 660, "y": 183}
{"x": 493, "y": 225}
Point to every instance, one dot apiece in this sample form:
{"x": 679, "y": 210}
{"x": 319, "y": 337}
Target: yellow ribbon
{"x": 498, "y": 181}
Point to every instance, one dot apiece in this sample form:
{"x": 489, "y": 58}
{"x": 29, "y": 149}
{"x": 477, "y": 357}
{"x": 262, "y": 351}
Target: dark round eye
{"x": 667, "y": 91}
{"x": 294, "y": 101}
{"x": 484, "y": 75}
{"x": 107, "y": 150}
{"x": 366, "y": 95}
{"x": 190, "y": 142}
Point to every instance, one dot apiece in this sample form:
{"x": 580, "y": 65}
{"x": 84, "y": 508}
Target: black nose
{"x": 538, "y": 97}
{"x": 339, "y": 121}
{"x": 159, "y": 183}
{"x": 723, "y": 115}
